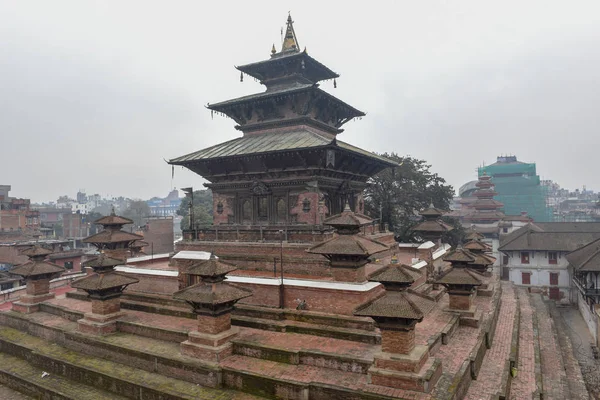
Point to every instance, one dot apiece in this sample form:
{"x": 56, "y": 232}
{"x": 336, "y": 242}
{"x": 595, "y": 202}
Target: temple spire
{"x": 290, "y": 42}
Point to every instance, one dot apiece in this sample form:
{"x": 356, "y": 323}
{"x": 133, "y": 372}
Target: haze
{"x": 94, "y": 95}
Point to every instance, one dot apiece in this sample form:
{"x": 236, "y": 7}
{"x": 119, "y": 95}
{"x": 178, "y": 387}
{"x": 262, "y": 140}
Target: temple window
{"x": 220, "y": 208}
{"x": 263, "y": 208}
{"x": 281, "y": 210}
{"x": 246, "y": 211}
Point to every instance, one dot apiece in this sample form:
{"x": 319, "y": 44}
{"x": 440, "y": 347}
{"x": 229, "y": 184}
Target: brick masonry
{"x": 214, "y": 325}
{"x": 397, "y": 341}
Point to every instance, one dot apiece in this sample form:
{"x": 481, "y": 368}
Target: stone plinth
{"x": 211, "y": 347}
{"x": 460, "y": 300}
{"x": 400, "y": 341}
{"x": 99, "y": 324}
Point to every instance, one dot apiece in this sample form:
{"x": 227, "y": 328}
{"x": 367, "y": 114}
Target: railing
{"x": 581, "y": 285}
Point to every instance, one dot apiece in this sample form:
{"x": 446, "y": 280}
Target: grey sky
{"x": 94, "y": 94}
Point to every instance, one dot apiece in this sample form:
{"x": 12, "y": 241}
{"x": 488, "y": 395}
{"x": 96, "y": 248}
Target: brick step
{"x": 313, "y": 317}
{"x": 23, "y": 377}
{"x": 118, "y": 379}
{"x": 287, "y": 381}
{"x": 298, "y": 349}
{"x": 148, "y": 354}
{"x": 355, "y": 335}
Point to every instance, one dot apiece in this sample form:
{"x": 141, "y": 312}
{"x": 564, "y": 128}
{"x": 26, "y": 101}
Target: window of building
{"x": 263, "y": 208}
{"x": 524, "y": 257}
{"x": 504, "y": 260}
{"x": 68, "y": 264}
{"x": 6, "y": 286}
{"x": 281, "y": 210}
{"x": 552, "y": 257}
{"x": 526, "y": 278}
{"x": 504, "y": 230}
{"x": 554, "y": 278}
{"x": 246, "y": 211}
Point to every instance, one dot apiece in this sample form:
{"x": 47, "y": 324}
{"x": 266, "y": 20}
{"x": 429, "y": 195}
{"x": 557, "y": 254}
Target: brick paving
{"x": 554, "y": 377}
{"x": 490, "y": 374}
{"x": 575, "y": 380}
{"x": 433, "y": 324}
{"x": 524, "y": 384}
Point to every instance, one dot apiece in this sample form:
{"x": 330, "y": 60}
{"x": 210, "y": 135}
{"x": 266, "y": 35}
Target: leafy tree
{"x": 457, "y": 235}
{"x": 203, "y": 206}
{"x": 399, "y": 193}
{"x": 137, "y": 210}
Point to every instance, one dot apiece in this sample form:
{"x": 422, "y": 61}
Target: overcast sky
{"x": 95, "y": 94}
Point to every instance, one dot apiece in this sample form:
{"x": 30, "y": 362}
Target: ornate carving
{"x": 260, "y": 189}
{"x": 219, "y": 208}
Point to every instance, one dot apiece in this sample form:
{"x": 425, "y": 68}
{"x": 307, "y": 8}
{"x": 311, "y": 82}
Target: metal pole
{"x": 281, "y": 290}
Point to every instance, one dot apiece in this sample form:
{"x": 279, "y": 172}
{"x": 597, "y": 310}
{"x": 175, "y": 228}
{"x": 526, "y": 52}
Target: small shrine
{"x": 349, "y": 251}
{"x": 401, "y": 363}
{"x": 212, "y": 300}
{"x": 432, "y": 227}
{"x": 113, "y": 240}
{"x": 37, "y": 273}
{"x": 104, "y": 288}
{"x": 461, "y": 282}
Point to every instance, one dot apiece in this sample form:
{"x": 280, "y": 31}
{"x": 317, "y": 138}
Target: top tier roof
{"x": 289, "y": 59}
{"x": 36, "y": 252}
{"x": 212, "y": 267}
{"x": 460, "y": 255}
{"x": 113, "y": 220}
{"x": 347, "y": 219}
{"x": 396, "y": 273}
{"x": 432, "y": 212}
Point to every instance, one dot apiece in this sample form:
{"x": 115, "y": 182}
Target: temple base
{"x": 98, "y": 324}
{"x": 412, "y": 362}
{"x": 209, "y": 347}
{"x": 31, "y": 303}
{"x": 422, "y": 381}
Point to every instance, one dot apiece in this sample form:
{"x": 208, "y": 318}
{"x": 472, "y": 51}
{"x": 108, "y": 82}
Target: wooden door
{"x": 554, "y": 293}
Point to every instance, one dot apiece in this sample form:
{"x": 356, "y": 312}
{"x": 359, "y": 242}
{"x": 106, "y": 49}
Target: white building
{"x": 534, "y": 255}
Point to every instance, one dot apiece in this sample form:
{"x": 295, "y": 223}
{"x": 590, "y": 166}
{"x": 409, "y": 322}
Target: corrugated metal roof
{"x": 268, "y": 142}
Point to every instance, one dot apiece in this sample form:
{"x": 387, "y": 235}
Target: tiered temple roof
{"x": 37, "y": 266}
{"x": 432, "y": 227}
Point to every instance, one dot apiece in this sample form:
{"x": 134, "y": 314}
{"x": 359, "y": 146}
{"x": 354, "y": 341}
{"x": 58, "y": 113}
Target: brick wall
{"x": 214, "y": 325}
{"x": 159, "y": 235}
{"x": 154, "y": 284}
{"x": 312, "y": 216}
{"x": 397, "y": 341}
{"x": 317, "y": 299}
{"x": 460, "y": 301}
{"x": 37, "y": 287}
{"x": 105, "y": 307}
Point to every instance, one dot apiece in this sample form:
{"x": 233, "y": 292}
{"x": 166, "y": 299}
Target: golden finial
{"x": 290, "y": 42}
{"x": 273, "y": 51}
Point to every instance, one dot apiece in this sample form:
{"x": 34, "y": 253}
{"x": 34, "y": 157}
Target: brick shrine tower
{"x": 461, "y": 282}
{"x": 104, "y": 287}
{"x": 37, "y": 273}
{"x": 212, "y": 300}
{"x": 113, "y": 240}
{"x": 288, "y": 171}
{"x": 348, "y": 252}
{"x": 432, "y": 227}
{"x": 401, "y": 363}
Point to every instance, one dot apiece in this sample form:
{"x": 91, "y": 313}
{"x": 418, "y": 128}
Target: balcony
{"x": 581, "y": 286}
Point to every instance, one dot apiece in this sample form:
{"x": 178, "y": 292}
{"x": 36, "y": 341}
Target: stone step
{"x": 118, "y": 379}
{"x": 25, "y": 378}
{"x": 355, "y": 335}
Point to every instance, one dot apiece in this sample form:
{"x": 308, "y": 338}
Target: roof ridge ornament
{"x": 290, "y": 41}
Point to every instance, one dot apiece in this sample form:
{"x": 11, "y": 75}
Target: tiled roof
{"x": 396, "y": 273}
{"x": 474, "y": 235}
{"x": 433, "y": 226}
{"x": 207, "y": 293}
{"x": 103, "y": 261}
{"x": 460, "y": 255}
{"x": 431, "y": 211}
{"x": 36, "y": 251}
{"x": 586, "y": 258}
{"x": 211, "y": 267}
{"x": 400, "y": 304}
{"x": 460, "y": 276}
{"x": 108, "y": 236}
{"x": 347, "y": 218}
{"x": 357, "y": 245}
{"x": 106, "y": 281}
{"x": 113, "y": 220}
{"x": 476, "y": 245}
{"x": 543, "y": 237}
{"x": 36, "y": 268}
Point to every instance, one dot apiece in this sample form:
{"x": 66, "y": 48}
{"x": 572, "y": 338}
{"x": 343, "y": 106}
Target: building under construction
{"x": 519, "y": 188}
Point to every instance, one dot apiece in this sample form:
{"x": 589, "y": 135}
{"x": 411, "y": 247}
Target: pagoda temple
{"x": 485, "y": 215}
{"x": 113, "y": 240}
{"x": 288, "y": 169}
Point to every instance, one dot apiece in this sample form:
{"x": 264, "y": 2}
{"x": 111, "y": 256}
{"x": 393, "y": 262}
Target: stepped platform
{"x": 289, "y": 354}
